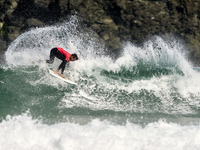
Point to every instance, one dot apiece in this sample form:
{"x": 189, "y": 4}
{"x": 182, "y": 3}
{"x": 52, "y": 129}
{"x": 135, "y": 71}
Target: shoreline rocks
{"x": 114, "y": 21}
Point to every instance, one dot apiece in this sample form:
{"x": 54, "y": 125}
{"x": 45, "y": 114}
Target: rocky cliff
{"x": 114, "y": 21}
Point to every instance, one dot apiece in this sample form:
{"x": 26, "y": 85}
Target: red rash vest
{"x": 65, "y": 53}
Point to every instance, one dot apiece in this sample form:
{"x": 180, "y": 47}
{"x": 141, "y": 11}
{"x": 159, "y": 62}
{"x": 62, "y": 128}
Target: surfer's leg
{"x": 59, "y": 55}
{"x": 52, "y": 55}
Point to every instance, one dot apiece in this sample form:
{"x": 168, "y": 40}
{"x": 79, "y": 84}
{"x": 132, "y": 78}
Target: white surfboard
{"x": 61, "y": 78}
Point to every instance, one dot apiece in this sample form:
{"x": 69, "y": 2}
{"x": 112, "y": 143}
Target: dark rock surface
{"x": 114, "y": 21}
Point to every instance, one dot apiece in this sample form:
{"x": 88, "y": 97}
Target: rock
{"x": 107, "y": 20}
{"x": 114, "y": 21}
{"x": 96, "y": 27}
{"x": 2, "y": 2}
{"x": 75, "y": 3}
{"x": 106, "y": 37}
{"x": 64, "y": 6}
{"x": 2, "y": 16}
{"x": 1, "y": 25}
{"x": 114, "y": 43}
{"x": 10, "y": 5}
{"x": 3, "y": 44}
{"x": 13, "y": 33}
{"x": 42, "y": 3}
{"x": 34, "y": 23}
{"x": 121, "y": 4}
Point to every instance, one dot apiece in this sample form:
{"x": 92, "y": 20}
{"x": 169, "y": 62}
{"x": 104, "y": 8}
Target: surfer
{"x": 63, "y": 55}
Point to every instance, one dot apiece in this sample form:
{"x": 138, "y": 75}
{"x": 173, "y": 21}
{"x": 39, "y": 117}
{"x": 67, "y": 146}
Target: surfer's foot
{"x": 49, "y": 61}
{"x": 62, "y": 76}
{"x": 56, "y": 72}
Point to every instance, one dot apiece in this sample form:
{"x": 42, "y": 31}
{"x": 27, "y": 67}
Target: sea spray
{"x": 147, "y": 98}
{"x": 37, "y": 43}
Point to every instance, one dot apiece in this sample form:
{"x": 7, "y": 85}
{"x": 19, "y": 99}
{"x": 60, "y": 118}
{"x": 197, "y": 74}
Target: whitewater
{"x": 148, "y": 97}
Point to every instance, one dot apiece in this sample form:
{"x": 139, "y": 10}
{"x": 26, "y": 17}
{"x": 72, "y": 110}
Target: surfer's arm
{"x": 62, "y": 66}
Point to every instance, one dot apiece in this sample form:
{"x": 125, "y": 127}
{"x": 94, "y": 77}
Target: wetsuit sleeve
{"x": 62, "y": 66}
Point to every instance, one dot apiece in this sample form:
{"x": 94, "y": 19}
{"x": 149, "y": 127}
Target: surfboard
{"x": 61, "y": 78}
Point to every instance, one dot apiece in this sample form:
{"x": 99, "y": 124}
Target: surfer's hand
{"x": 62, "y": 76}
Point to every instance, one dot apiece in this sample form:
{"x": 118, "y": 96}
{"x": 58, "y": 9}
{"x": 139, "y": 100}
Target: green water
{"x": 31, "y": 89}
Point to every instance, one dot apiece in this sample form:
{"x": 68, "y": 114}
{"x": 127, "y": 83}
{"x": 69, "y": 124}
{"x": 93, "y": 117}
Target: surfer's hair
{"x": 75, "y": 56}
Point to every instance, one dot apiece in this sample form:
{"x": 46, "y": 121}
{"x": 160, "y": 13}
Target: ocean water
{"x": 147, "y": 98}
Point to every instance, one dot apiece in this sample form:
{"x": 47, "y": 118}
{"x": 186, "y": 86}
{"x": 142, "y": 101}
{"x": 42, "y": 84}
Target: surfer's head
{"x": 74, "y": 57}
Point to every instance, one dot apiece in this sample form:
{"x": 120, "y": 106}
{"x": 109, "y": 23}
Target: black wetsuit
{"x": 56, "y": 53}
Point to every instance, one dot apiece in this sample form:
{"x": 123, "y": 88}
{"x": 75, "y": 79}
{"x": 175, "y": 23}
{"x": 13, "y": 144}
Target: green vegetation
{"x": 4, "y": 29}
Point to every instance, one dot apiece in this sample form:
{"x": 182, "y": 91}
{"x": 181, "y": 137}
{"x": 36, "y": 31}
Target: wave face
{"x": 149, "y": 90}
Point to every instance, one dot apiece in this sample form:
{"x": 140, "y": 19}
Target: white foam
{"x": 24, "y": 133}
{"x": 157, "y": 53}
{"x": 98, "y": 91}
